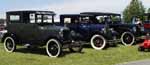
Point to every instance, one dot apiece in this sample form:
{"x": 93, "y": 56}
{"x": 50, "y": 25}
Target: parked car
{"x": 126, "y": 32}
{"x": 2, "y": 30}
{"x": 36, "y": 28}
{"x": 86, "y": 30}
{"x": 145, "y": 44}
{"x": 146, "y": 22}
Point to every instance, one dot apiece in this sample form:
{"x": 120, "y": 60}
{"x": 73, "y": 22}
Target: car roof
{"x": 101, "y": 13}
{"x": 75, "y": 15}
{"x": 33, "y": 11}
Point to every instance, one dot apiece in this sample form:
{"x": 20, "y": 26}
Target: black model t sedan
{"x": 86, "y": 30}
{"x": 37, "y": 28}
{"x": 126, "y": 32}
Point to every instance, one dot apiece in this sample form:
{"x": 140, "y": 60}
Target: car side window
{"x": 67, "y": 20}
{"x": 14, "y": 18}
{"x": 32, "y": 18}
{"x": 100, "y": 19}
{"x": 85, "y": 20}
{"x": 116, "y": 19}
{"x": 47, "y": 19}
{"x": 39, "y": 18}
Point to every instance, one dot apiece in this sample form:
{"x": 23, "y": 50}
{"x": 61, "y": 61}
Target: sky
{"x": 66, "y": 6}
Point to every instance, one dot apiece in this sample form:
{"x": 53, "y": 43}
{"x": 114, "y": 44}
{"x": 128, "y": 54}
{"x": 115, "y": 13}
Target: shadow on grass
{"x": 42, "y": 51}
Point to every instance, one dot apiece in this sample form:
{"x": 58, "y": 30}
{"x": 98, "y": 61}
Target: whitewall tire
{"x": 9, "y": 44}
{"x": 127, "y": 38}
{"x": 53, "y": 48}
{"x": 98, "y": 42}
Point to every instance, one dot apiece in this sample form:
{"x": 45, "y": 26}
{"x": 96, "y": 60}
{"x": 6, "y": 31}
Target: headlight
{"x": 134, "y": 29}
{"x": 111, "y": 29}
{"x": 104, "y": 30}
{"x": 73, "y": 33}
{"x": 61, "y": 33}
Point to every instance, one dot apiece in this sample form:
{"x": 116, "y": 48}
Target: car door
{"x": 81, "y": 29}
{"x": 29, "y": 31}
{"x": 84, "y": 29}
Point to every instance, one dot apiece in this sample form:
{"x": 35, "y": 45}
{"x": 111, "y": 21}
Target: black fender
{"x": 98, "y": 32}
{"x": 8, "y": 34}
{"x": 51, "y": 37}
{"x": 121, "y": 30}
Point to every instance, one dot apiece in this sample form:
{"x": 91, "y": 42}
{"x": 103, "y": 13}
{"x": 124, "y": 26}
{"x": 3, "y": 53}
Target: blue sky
{"x": 66, "y": 6}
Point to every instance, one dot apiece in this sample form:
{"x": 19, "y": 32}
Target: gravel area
{"x": 141, "y": 62}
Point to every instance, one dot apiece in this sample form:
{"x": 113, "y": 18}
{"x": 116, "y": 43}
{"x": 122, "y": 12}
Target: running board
{"x": 114, "y": 41}
{"x": 141, "y": 37}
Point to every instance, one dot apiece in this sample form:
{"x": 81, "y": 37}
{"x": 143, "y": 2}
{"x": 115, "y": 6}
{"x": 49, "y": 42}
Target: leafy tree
{"x": 148, "y": 10}
{"x": 135, "y": 8}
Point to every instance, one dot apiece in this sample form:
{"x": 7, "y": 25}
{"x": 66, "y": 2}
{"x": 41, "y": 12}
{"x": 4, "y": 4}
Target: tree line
{"x": 135, "y": 8}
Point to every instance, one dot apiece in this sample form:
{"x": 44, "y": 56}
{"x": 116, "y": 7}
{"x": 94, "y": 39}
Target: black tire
{"x": 53, "y": 48}
{"x": 98, "y": 42}
{"x": 9, "y": 44}
{"x": 141, "y": 49}
{"x": 127, "y": 38}
{"x": 77, "y": 48}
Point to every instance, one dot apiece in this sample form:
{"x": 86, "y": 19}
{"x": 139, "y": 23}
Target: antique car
{"x": 145, "y": 44}
{"x": 36, "y": 28}
{"x": 128, "y": 33}
{"x": 146, "y": 22}
{"x": 85, "y": 30}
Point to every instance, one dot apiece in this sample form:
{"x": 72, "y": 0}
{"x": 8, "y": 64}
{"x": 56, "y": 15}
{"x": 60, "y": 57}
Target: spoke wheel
{"x": 127, "y": 39}
{"x": 98, "y": 42}
{"x": 53, "y": 48}
{"x": 9, "y": 44}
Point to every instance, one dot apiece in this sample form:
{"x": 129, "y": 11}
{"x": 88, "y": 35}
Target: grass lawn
{"x": 110, "y": 56}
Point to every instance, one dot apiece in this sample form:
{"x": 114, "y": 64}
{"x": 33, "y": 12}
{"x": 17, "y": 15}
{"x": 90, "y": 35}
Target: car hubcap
{"x": 9, "y": 44}
{"x": 53, "y": 48}
{"x": 98, "y": 42}
{"x": 127, "y": 38}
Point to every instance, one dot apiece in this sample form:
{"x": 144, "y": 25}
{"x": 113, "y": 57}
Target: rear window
{"x": 14, "y": 18}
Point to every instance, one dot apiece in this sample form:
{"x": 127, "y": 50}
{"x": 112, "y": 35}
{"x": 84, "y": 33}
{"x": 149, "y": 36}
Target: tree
{"x": 148, "y": 10}
{"x": 135, "y": 8}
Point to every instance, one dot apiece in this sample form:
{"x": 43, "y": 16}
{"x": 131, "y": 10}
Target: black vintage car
{"x": 126, "y": 32}
{"x": 86, "y": 30}
{"x": 37, "y": 28}
{"x": 146, "y": 22}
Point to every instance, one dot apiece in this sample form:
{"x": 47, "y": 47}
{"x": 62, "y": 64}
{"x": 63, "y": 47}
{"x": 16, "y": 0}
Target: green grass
{"x": 110, "y": 56}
